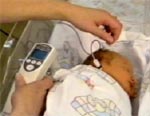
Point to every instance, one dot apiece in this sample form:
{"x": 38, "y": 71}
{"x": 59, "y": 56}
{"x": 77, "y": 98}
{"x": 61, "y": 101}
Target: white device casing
{"x": 40, "y": 72}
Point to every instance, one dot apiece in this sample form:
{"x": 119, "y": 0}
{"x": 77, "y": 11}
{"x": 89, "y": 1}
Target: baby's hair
{"x": 99, "y": 55}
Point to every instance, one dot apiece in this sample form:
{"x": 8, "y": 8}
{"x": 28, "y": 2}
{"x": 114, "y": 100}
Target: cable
{"x": 95, "y": 61}
{"x": 1, "y": 30}
{"x": 77, "y": 34}
{"x": 100, "y": 47}
{"x": 7, "y": 34}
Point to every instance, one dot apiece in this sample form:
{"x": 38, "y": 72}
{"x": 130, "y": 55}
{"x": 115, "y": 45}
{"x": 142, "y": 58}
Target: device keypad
{"x": 28, "y": 60}
{"x": 30, "y": 67}
{"x": 31, "y": 64}
{"x": 39, "y": 63}
{"x": 33, "y": 61}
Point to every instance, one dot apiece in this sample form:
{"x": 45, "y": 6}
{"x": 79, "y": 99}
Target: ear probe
{"x": 96, "y": 61}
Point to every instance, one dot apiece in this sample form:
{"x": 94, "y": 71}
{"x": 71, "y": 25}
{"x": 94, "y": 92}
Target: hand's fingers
{"x": 114, "y": 25}
{"x": 116, "y": 31}
{"x": 102, "y": 34}
{"x": 45, "y": 84}
{"x": 19, "y": 81}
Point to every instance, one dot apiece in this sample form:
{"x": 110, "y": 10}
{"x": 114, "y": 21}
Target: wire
{"x": 100, "y": 47}
{"x": 7, "y": 34}
{"x": 1, "y": 30}
{"x": 79, "y": 38}
{"x": 95, "y": 61}
{"x": 77, "y": 34}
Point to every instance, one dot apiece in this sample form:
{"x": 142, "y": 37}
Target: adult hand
{"x": 86, "y": 19}
{"x": 90, "y": 20}
{"x": 28, "y": 99}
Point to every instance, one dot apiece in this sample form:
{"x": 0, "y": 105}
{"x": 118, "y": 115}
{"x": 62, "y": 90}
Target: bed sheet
{"x": 144, "y": 100}
{"x": 135, "y": 46}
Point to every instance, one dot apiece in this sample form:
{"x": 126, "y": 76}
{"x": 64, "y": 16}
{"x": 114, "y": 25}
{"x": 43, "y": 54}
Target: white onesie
{"x": 86, "y": 91}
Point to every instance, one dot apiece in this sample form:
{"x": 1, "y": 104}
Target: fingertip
{"x": 117, "y": 31}
{"x": 19, "y": 80}
{"x": 18, "y": 75}
{"x": 48, "y": 79}
{"x": 110, "y": 40}
{"x": 103, "y": 35}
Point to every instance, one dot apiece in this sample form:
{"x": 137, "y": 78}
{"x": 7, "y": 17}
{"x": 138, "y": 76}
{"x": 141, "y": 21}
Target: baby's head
{"x": 118, "y": 67}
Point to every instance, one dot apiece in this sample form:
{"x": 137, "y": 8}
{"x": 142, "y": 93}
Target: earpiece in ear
{"x": 97, "y": 63}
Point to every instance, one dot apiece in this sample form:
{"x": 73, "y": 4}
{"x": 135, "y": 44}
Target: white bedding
{"x": 83, "y": 91}
{"x": 134, "y": 46}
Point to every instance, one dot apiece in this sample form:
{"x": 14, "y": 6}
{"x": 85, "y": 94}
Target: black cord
{"x": 7, "y": 34}
{"x": 1, "y": 30}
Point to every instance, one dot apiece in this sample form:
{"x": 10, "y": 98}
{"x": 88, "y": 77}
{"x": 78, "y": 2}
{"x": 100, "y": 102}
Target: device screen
{"x": 39, "y": 54}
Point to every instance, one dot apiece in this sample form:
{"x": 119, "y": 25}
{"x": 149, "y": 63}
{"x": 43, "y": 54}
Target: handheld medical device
{"x": 34, "y": 66}
{"x": 37, "y": 62}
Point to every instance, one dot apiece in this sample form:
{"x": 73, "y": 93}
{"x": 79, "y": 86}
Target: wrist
{"x": 54, "y": 9}
{"x": 61, "y": 10}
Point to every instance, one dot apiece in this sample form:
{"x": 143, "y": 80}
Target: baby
{"x": 88, "y": 91}
{"x": 118, "y": 67}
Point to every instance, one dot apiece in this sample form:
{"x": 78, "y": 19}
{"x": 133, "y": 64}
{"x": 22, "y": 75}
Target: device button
{"x": 33, "y": 61}
{"x": 39, "y": 63}
{"x": 28, "y": 60}
{"x": 30, "y": 67}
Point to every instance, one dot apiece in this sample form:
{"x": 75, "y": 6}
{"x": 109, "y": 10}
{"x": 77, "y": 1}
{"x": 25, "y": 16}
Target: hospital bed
{"x": 72, "y": 43}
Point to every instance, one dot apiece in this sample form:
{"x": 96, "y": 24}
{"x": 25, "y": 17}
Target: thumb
{"x": 20, "y": 81}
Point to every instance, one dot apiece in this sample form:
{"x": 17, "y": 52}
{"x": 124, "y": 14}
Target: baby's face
{"x": 121, "y": 70}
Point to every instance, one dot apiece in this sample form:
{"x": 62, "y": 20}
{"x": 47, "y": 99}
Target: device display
{"x": 39, "y": 54}
{"x": 37, "y": 57}
{"x": 37, "y": 62}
